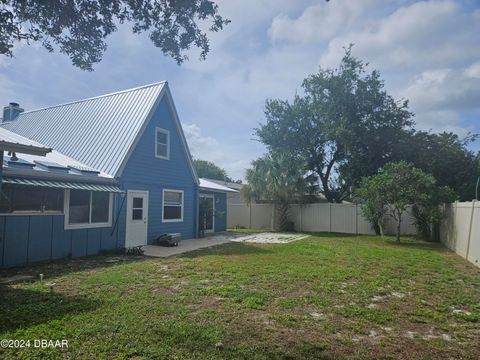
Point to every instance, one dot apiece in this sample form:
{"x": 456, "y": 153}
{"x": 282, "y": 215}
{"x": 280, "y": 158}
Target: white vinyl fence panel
{"x": 254, "y": 216}
{"x": 460, "y": 230}
{"x": 323, "y": 217}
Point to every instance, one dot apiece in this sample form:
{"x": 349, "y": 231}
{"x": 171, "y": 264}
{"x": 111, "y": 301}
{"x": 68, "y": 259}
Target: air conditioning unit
{"x": 172, "y": 239}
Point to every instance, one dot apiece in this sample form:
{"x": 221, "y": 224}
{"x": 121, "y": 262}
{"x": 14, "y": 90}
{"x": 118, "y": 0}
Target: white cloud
{"x": 440, "y": 121}
{"x": 425, "y": 50}
{"x": 318, "y": 22}
{"x": 445, "y": 89}
{"x": 425, "y": 32}
{"x": 221, "y": 154}
{"x": 473, "y": 71}
{"x": 428, "y": 53}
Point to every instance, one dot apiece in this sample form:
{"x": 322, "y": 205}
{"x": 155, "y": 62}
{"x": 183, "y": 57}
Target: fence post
{"x": 300, "y": 208}
{"x": 250, "y": 216}
{"x": 273, "y": 217}
{"x": 456, "y": 231}
{"x": 330, "y": 216}
{"x": 470, "y": 229}
{"x": 356, "y": 219}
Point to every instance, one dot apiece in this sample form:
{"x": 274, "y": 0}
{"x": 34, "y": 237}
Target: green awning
{"x": 62, "y": 184}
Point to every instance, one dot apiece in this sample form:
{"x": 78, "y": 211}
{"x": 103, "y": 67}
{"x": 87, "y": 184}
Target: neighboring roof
{"x": 229, "y": 184}
{"x": 9, "y": 141}
{"x": 100, "y": 131}
{"x": 209, "y": 185}
{"x": 52, "y": 166}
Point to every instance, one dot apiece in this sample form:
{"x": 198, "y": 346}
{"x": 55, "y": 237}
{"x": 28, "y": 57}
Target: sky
{"x": 426, "y": 51}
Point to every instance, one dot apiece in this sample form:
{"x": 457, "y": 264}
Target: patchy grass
{"x": 327, "y": 296}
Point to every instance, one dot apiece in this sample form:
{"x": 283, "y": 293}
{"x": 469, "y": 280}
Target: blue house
{"x": 119, "y": 175}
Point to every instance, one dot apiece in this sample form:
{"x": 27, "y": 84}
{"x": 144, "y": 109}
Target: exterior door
{"x": 137, "y": 218}
{"x": 207, "y": 213}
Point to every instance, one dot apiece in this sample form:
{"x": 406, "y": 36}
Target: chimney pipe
{"x": 11, "y": 111}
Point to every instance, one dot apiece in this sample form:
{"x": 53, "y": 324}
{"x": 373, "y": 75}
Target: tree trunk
{"x": 380, "y": 227}
{"x": 399, "y": 214}
{"x": 283, "y": 217}
{"x": 326, "y": 191}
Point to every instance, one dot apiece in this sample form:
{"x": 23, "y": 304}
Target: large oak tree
{"x": 79, "y": 28}
{"x": 343, "y": 126}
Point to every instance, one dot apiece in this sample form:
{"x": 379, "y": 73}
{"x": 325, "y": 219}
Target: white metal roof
{"x": 209, "y": 185}
{"x": 9, "y": 141}
{"x": 55, "y": 158}
{"x": 39, "y": 157}
{"x": 98, "y": 131}
{"x": 229, "y": 184}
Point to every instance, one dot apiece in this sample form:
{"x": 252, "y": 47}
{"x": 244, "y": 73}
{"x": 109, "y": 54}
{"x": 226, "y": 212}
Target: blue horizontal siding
{"x": 144, "y": 171}
{"x": 35, "y": 238}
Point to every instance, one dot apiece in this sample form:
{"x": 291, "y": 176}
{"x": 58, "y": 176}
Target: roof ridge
{"x": 95, "y": 97}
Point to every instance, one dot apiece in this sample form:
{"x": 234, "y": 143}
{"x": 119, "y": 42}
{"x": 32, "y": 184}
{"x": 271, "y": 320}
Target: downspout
{"x": 123, "y": 196}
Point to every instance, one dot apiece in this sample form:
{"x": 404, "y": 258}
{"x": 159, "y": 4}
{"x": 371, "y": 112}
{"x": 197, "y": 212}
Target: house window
{"x": 162, "y": 143}
{"x": 18, "y": 199}
{"x": 172, "y": 205}
{"x": 137, "y": 208}
{"x": 88, "y": 209}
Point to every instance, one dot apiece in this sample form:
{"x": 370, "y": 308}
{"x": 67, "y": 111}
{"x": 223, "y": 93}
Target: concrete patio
{"x": 218, "y": 239}
{"x": 185, "y": 246}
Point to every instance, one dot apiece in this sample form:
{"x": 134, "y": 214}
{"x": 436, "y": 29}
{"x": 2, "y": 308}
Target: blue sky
{"x": 427, "y": 52}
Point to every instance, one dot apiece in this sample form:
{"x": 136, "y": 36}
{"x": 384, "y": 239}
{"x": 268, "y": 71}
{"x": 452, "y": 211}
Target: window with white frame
{"x": 172, "y": 205}
{"x": 162, "y": 143}
{"x": 88, "y": 208}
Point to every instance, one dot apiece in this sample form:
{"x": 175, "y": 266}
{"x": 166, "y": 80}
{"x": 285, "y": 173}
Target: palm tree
{"x": 277, "y": 178}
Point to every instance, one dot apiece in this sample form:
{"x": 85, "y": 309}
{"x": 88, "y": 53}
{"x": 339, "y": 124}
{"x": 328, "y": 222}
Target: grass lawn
{"x": 325, "y": 296}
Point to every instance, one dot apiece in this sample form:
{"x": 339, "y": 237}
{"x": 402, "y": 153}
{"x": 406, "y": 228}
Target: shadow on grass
{"x": 417, "y": 244}
{"x": 62, "y": 267}
{"x": 331, "y": 234}
{"x": 233, "y": 248}
{"x": 21, "y": 308}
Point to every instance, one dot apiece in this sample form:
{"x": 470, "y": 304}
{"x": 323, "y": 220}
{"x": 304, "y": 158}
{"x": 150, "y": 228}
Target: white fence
{"x": 460, "y": 230}
{"x": 342, "y": 218}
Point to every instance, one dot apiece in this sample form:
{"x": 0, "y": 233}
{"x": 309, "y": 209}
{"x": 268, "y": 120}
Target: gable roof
{"x": 100, "y": 132}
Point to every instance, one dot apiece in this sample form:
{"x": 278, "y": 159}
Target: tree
{"x": 429, "y": 213}
{"x": 345, "y": 126}
{"x": 396, "y": 187}
{"x": 79, "y": 27}
{"x": 447, "y": 158}
{"x": 278, "y": 178}
{"x": 209, "y": 170}
{"x": 373, "y": 202}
